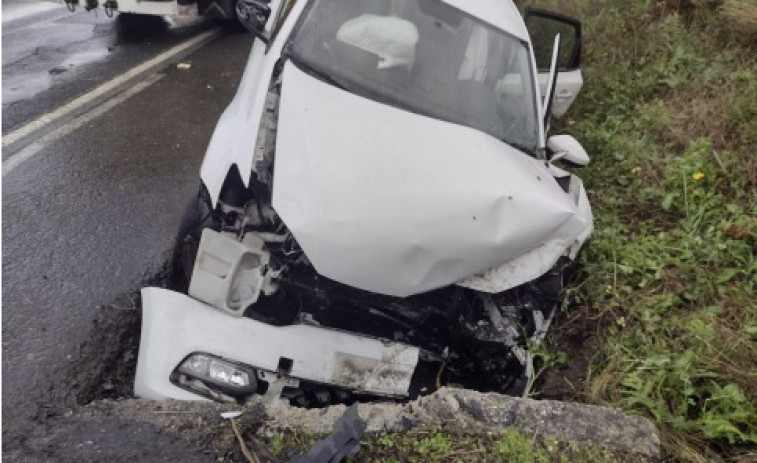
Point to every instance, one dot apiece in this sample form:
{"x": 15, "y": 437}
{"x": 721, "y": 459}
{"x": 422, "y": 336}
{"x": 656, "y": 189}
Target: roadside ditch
{"x": 100, "y": 378}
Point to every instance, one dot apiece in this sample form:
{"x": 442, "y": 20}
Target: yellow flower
{"x": 698, "y": 176}
{"x": 636, "y": 170}
{"x": 621, "y": 322}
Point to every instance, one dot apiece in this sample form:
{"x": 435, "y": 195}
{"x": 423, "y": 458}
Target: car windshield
{"x": 424, "y": 56}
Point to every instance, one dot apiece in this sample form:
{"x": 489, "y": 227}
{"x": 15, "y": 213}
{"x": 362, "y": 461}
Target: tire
{"x": 223, "y": 11}
{"x": 137, "y": 28}
{"x": 196, "y": 216}
{"x": 233, "y": 25}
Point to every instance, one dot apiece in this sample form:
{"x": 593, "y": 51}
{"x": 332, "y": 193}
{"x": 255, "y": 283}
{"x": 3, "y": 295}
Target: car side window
{"x": 543, "y": 26}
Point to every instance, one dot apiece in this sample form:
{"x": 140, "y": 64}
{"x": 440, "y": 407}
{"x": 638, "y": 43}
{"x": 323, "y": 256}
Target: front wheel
{"x": 197, "y": 216}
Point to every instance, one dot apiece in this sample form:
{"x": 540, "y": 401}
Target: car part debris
{"x": 177, "y": 328}
{"x": 343, "y": 443}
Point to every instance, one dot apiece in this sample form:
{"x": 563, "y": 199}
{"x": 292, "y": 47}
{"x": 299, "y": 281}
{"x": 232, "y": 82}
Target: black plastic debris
{"x": 342, "y": 443}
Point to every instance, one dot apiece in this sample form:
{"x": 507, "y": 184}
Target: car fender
{"x": 233, "y": 141}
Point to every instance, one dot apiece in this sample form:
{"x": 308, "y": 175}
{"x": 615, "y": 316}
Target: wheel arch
{"x": 234, "y": 191}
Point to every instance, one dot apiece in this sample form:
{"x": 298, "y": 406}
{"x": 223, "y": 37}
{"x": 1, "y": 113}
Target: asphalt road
{"x": 91, "y": 213}
{"x": 51, "y": 55}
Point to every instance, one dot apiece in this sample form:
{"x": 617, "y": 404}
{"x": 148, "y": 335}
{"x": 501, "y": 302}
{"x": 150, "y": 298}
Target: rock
{"x": 453, "y": 403}
{"x": 566, "y": 421}
{"x": 450, "y": 409}
{"x": 462, "y": 410}
{"x": 378, "y": 416}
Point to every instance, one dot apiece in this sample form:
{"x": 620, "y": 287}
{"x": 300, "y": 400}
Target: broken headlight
{"x": 215, "y": 378}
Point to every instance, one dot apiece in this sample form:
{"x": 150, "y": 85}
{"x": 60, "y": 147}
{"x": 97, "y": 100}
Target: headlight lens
{"x": 214, "y": 377}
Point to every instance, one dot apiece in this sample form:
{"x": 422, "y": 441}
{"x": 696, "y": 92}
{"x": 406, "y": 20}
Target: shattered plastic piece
{"x": 343, "y": 443}
{"x": 228, "y": 274}
{"x": 184, "y": 66}
{"x": 231, "y": 415}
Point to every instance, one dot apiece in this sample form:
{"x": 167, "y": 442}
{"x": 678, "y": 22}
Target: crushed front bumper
{"x": 175, "y": 325}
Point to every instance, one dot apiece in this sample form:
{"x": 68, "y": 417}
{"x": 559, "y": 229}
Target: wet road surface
{"x": 91, "y": 215}
{"x": 51, "y": 55}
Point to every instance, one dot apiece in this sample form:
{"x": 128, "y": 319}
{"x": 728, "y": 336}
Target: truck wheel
{"x": 134, "y": 28}
{"x": 233, "y": 24}
{"x": 224, "y": 11}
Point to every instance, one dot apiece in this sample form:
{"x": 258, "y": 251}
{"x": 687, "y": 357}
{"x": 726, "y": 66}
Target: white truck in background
{"x": 221, "y": 9}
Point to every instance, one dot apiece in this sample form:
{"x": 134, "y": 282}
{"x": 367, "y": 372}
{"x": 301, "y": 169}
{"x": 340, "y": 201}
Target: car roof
{"x": 502, "y": 14}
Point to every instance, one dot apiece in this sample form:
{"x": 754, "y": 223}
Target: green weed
{"x": 512, "y": 447}
{"x": 668, "y": 113}
{"x": 517, "y": 448}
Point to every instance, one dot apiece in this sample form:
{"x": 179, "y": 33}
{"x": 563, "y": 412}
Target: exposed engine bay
{"x": 465, "y": 337}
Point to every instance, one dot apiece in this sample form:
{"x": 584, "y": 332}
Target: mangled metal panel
{"x": 175, "y": 325}
{"x": 377, "y": 206}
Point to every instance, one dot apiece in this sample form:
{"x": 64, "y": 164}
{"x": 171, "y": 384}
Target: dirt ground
{"x": 575, "y": 337}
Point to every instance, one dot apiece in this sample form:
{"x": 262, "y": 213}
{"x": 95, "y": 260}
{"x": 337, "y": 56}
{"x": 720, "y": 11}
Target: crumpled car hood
{"x": 396, "y": 203}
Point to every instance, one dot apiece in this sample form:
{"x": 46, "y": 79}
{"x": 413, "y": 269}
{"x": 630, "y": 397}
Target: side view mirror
{"x": 567, "y": 148}
{"x": 253, "y": 15}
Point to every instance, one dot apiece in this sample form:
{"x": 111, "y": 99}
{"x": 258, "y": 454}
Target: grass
{"x": 669, "y": 113}
{"x": 444, "y": 447}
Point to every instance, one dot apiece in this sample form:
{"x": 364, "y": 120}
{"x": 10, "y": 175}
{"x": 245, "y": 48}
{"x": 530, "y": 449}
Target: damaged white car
{"x": 380, "y": 213}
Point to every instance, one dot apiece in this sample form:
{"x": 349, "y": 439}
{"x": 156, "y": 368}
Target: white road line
{"x": 25, "y": 154}
{"x": 105, "y": 88}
